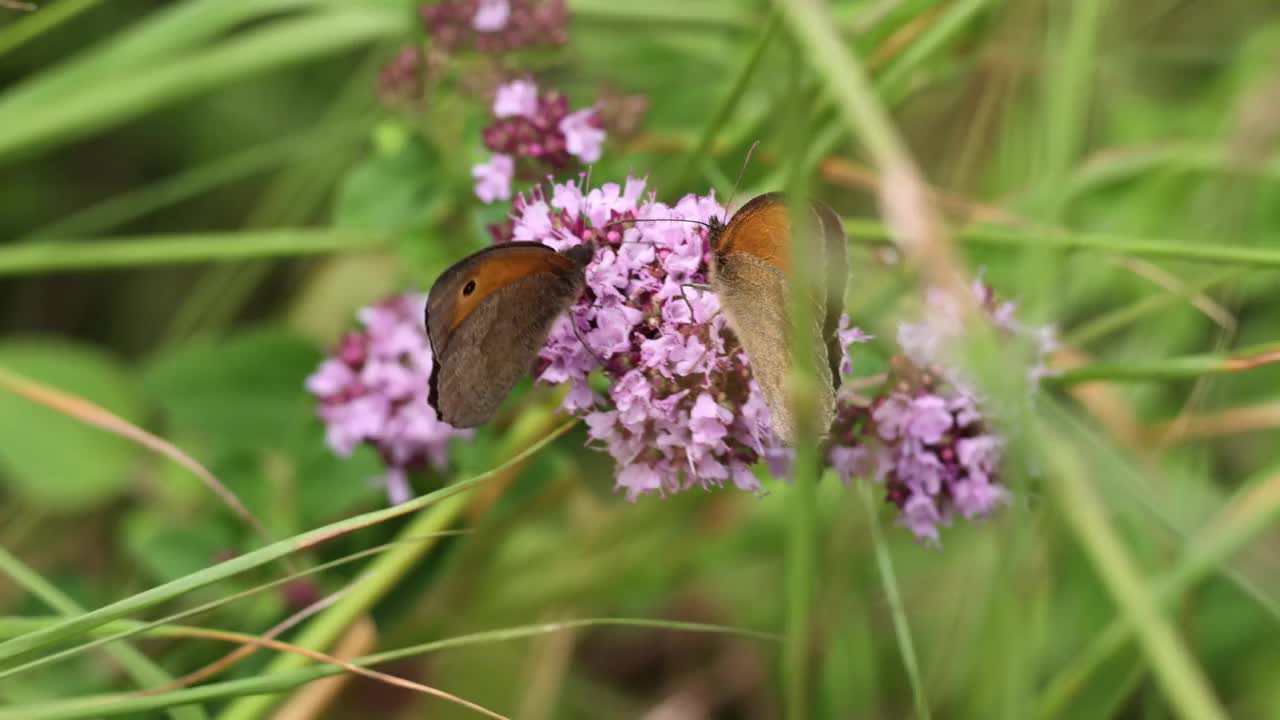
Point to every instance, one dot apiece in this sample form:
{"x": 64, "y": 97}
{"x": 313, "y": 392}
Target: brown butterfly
{"x": 488, "y": 316}
{"x": 750, "y": 267}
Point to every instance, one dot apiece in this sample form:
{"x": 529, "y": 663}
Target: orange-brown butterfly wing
{"x": 761, "y": 228}
{"x": 487, "y": 317}
{"x": 750, "y": 268}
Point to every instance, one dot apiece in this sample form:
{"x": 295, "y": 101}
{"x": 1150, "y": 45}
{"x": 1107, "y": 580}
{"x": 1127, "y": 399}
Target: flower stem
{"x": 1181, "y": 679}
{"x": 889, "y": 579}
{"x": 1253, "y": 510}
{"x": 1181, "y": 368}
{"x": 42, "y": 257}
{"x": 877, "y": 233}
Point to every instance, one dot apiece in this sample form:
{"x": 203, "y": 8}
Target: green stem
{"x": 667, "y": 14}
{"x": 725, "y": 109}
{"x": 55, "y": 256}
{"x": 382, "y": 575}
{"x": 139, "y": 666}
{"x": 1254, "y": 510}
{"x": 901, "y": 626}
{"x": 1170, "y": 369}
{"x": 1182, "y": 681}
{"x": 870, "y": 231}
{"x": 1127, "y": 315}
{"x": 276, "y": 44}
{"x": 125, "y": 207}
{"x": 15, "y": 650}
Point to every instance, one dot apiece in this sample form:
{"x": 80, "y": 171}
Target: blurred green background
{"x": 199, "y": 194}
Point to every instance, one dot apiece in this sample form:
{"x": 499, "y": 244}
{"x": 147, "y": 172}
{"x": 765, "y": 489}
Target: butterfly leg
{"x": 696, "y": 286}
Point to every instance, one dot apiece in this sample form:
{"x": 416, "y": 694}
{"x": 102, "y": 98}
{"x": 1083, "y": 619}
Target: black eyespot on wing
{"x": 469, "y": 288}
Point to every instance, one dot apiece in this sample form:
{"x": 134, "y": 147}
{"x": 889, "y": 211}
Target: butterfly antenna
{"x": 741, "y": 171}
{"x": 616, "y": 223}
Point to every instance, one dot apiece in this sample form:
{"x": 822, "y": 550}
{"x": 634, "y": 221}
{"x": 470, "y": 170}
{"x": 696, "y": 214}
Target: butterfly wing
{"x": 753, "y": 294}
{"x": 487, "y": 317}
{"x": 836, "y": 263}
{"x": 750, "y": 269}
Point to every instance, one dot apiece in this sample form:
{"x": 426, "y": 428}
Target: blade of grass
{"x": 138, "y": 666}
{"x": 1189, "y": 367}
{"x": 64, "y": 255}
{"x": 666, "y": 14}
{"x": 893, "y": 84}
{"x": 18, "y": 33}
{"x": 195, "y": 181}
{"x": 1179, "y": 677}
{"x": 1199, "y": 250}
{"x": 86, "y": 412}
{"x": 889, "y": 579}
{"x": 139, "y": 627}
{"x": 723, "y": 111}
{"x": 904, "y": 202}
{"x": 156, "y": 38}
{"x": 16, "y": 649}
{"x": 530, "y": 430}
{"x": 1122, "y": 317}
{"x": 120, "y": 704}
{"x": 1253, "y": 510}
{"x": 277, "y": 44}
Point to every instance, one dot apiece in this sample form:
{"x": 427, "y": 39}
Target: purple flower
{"x": 402, "y": 79}
{"x": 849, "y": 336}
{"x": 495, "y": 26}
{"x": 491, "y": 15}
{"x": 930, "y": 446}
{"x": 926, "y": 342}
{"x": 374, "y": 391}
{"x": 583, "y": 135}
{"x": 682, "y": 410}
{"x": 539, "y": 132}
{"x": 518, "y": 98}
{"x": 493, "y": 178}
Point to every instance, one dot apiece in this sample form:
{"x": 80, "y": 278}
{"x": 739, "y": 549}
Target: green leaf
{"x": 49, "y": 459}
{"x": 394, "y": 188}
{"x": 242, "y": 393}
{"x": 168, "y": 547}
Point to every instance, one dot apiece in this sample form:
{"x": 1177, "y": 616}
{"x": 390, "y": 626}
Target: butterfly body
{"x": 487, "y": 318}
{"x": 750, "y": 272}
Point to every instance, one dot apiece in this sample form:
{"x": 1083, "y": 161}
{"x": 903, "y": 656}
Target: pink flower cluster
{"x": 495, "y": 26}
{"x": 536, "y": 132}
{"x": 681, "y": 409}
{"x": 374, "y": 391}
{"x": 927, "y": 439}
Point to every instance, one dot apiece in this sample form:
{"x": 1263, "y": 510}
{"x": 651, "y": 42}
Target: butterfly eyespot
{"x": 469, "y": 288}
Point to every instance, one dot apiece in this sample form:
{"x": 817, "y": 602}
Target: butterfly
{"x": 751, "y": 272}
{"x": 487, "y": 317}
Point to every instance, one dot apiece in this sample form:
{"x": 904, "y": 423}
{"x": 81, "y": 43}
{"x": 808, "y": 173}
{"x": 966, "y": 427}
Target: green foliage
{"x": 51, "y": 461}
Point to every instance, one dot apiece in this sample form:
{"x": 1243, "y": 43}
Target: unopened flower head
{"x": 537, "y": 134}
{"x": 495, "y": 26}
{"x": 402, "y": 79}
{"x": 373, "y": 390}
